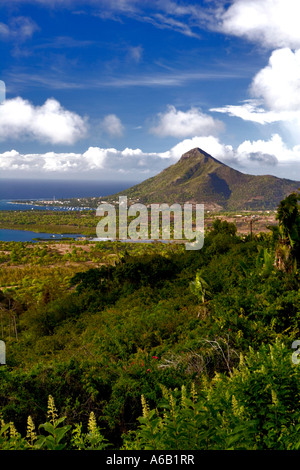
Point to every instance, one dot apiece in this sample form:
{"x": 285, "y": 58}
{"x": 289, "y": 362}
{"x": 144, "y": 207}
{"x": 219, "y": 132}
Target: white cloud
{"x": 278, "y": 84}
{"x": 251, "y": 110}
{"x": 94, "y": 157}
{"x": 181, "y": 124}
{"x": 49, "y": 123}
{"x": 209, "y": 144}
{"x": 248, "y": 111}
{"x": 275, "y": 88}
{"x": 271, "y": 23}
{"x": 276, "y": 92}
{"x": 272, "y": 151}
{"x": 249, "y": 155}
{"x": 51, "y": 162}
{"x": 113, "y": 125}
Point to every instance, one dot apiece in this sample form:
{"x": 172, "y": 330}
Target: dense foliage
{"x": 150, "y": 346}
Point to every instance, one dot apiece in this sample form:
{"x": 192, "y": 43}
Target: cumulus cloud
{"x": 249, "y": 154}
{"x": 209, "y": 144}
{"x": 51, "y": 162}
{"x": 112, "y": 125}
{"x": 272, "y": 153}
{"x": 278, "y": 84}
{"x": 271, "y": 23}
{"x": 94, "y": 158}
{"x": 49, "y": 123}
{"x": 275, "y": 92}
{"x": 181, "y": 124}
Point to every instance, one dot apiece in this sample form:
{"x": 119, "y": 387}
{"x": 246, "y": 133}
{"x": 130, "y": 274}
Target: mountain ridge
{"x": 198, "y": 177}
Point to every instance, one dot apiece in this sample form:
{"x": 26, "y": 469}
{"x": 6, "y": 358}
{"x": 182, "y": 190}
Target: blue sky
{"x": 119, "y": 89}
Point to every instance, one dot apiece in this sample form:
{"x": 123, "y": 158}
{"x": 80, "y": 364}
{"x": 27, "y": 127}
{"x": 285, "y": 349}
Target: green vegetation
{"x": 81, "y": 222}
{"x": 149, "y": 346}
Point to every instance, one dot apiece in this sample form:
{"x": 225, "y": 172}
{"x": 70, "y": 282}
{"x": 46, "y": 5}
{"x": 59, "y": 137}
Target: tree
{"x": 224, "y": 227}
{"x": 288, "y": 215}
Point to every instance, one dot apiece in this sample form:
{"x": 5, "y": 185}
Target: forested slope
{"x": 153, "y": 346}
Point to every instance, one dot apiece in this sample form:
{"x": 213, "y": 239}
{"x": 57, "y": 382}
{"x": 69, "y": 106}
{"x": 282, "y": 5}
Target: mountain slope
{"x": 198, "y": 177}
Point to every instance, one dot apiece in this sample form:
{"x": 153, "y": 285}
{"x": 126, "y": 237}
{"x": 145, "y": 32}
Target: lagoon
{"x": 8, "y": 235}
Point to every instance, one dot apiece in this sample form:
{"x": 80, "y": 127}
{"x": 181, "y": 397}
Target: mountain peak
{"x": 198, "y": 177}
{"x": 199, "y": 154}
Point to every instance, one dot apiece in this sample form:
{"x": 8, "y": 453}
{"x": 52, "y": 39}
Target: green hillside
{"x": 133, "y": 346}
{"x": 200, "y": 178}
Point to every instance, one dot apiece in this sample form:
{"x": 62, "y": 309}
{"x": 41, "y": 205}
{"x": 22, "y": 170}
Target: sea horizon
{"x": 33, "y": 189}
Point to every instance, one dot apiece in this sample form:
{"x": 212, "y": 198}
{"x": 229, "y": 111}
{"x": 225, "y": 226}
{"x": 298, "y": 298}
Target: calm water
{"x": 59, "y": 189}
{"x": 7, "y": 235}
{"x": 53, "y": 189}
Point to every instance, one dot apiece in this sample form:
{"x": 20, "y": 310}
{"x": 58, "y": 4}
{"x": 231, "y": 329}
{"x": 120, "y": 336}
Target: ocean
{"x": 34, "y": 189}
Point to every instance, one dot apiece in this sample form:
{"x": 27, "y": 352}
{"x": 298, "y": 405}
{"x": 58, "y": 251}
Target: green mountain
{"x": 199, "y": 178}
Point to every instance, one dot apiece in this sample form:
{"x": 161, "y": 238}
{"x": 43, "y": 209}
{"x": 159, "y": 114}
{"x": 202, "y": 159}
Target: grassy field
{"x": 81, "y": 222}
